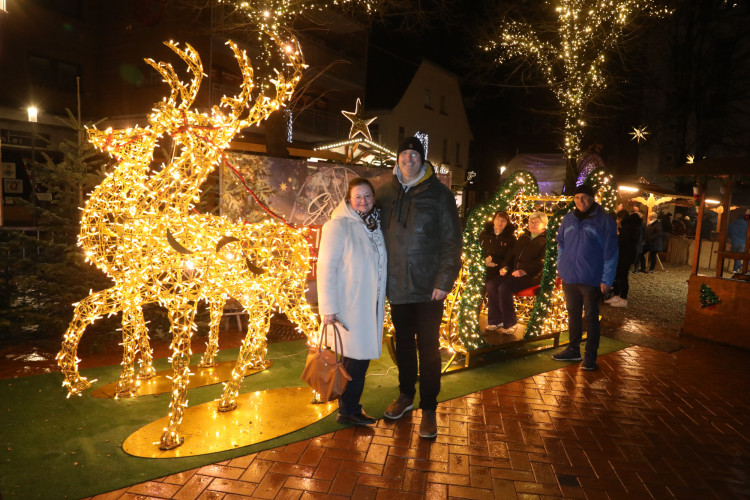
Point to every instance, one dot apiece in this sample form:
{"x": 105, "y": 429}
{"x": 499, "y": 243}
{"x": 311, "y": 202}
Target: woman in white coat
{"x": 351, "y": 288}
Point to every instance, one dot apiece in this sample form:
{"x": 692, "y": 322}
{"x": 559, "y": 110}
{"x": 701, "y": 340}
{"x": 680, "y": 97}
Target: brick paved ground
{"x": 647, "y": 424}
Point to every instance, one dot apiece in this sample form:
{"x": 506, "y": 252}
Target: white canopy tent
{"x": 549, "y": 170}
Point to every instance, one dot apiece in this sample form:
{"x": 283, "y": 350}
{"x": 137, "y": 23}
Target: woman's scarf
{"x": 371, "y": 219}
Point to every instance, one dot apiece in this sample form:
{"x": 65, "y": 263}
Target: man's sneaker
{"x": 492, "y": 328}
{"x": 399, "y": 407}
{"x": 567, "y": 354}
{"x": 620, "y": 302}
{"x": 613, "y": 298}
{"x": 589, "y": 366}
{"x": 428, "y": 427}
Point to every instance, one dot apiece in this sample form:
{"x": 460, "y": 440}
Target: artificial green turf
{"x": 52, "y": 447}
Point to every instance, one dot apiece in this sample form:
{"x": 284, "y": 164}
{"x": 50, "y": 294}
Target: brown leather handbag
{"x": 323, "y": 369}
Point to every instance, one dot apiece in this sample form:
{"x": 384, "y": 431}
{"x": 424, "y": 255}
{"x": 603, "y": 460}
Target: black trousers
{"x": 622, "y": 285}
{"x": 349, "y": 401}
{"x": 418, "y": 349}
{"x": 582, "y": 301}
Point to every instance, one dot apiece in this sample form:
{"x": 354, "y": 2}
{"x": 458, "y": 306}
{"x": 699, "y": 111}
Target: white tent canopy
{"x": 549, "y": 170}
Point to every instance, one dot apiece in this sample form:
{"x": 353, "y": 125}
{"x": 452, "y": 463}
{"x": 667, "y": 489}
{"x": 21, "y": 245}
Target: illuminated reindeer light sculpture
{"x": 139, "y": 227}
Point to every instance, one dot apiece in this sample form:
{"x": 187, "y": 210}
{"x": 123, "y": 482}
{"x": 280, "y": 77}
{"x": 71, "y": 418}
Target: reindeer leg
{"x": 181, "y": 317}
{"x": 87, "y": 311}
{"x": 140, "y": 331}
{"x": 208, "y": 358}
{"x": 252, "y": 352}
{"x": 133, "y": 331}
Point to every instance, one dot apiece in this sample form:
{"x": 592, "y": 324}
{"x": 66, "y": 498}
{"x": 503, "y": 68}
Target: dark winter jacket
{"x": 654, "y": 237}
{"x": 629, "y": 237}
{"x": 528, "y": 256}
{"x": 496, "y": 245}
{"x": 587, "y": 247}
{"x": 423, "y": 238}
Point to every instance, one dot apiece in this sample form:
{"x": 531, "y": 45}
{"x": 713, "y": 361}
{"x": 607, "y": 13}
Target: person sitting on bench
{"x": 521, "y": 269}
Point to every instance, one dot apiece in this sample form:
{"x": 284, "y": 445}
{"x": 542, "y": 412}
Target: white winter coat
{"x": 352, "y": 270}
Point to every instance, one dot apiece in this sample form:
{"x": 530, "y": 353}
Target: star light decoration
{"x": 360, "y": 124}
{"x": 139, "y": 226}
{"x": 639, "y": 133}
{"x": 569, "y": 52}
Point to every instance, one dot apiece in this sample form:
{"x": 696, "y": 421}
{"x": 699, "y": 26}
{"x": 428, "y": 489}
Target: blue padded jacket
{"x": 587, "y": 249}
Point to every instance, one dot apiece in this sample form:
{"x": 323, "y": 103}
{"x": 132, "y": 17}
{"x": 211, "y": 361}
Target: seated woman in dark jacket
{"x": 520, "y": 270}
{"x": 497, "y": 241}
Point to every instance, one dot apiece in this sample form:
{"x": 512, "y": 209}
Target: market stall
{"x": 717, "y": 305}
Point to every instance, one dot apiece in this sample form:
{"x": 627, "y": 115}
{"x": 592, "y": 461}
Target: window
{"x": 65, "y": 7}
{"x": 442, "y": 105}
{"x": 427, "y": 99}
{"x": 445, "y": 150}
{"x": 458, "y": 153}
{"x": 401, "y": 134}
{"x": 52, "y": 73}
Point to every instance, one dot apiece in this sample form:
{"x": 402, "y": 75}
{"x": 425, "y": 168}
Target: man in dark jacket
{"x": 627, "y": 244}
{"x": 586, "y": 263}
{"x": 423, "y": 239}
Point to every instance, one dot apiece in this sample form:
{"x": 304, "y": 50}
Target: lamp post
{"x": 32, "y": 112}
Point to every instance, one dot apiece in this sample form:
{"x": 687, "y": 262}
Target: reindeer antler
{"x": 284, "y": 83}
{"x": 193, "y": 60}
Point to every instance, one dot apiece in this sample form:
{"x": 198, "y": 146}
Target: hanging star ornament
{"x": 359, "y": 122}
{"x": 639, "y": 133}
{"x": 690, "y": 158}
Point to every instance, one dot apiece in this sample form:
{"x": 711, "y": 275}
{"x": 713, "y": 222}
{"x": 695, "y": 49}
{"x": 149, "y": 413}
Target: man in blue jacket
{"x": 586, "y": 263}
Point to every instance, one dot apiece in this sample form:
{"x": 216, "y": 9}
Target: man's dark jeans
{"x": 418, "y": 336}
{"x": 577, "y": 299}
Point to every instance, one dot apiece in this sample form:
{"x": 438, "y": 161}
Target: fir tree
{"x": 45, "y": 272}
{"x": 708, "y": 297}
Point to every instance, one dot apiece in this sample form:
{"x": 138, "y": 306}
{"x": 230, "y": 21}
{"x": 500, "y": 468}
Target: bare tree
{"x": 566, "y": 48}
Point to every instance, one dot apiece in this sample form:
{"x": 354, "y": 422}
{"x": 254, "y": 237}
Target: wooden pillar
{"x": 698, "y": 227}
{"x": 725, "y": 205}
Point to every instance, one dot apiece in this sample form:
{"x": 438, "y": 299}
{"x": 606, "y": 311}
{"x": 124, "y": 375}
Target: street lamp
{"x": 32, "y": 112}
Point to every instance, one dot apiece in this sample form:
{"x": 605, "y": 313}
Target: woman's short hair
{"x": 538, "y": 215}
{"x": 358, "y": 181}
{"x": 503, "y": 214}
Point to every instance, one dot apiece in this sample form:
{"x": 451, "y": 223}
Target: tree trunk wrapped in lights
{"x": 567, "y": 48}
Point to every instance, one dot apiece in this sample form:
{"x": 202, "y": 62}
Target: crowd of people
{"x": 403, "y": 243}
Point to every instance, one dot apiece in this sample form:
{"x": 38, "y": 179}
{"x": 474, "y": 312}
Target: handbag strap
{"x": 338, "y": 344}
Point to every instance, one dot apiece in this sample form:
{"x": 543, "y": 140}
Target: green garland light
{"x": 469, "y": 289}
{"x": 472, "y": 274}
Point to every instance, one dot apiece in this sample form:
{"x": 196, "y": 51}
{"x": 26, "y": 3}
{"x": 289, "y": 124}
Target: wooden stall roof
{"x": 713, "y": 167}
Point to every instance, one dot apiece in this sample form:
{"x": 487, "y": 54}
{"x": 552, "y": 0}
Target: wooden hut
{"x": 717, "y": 306}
